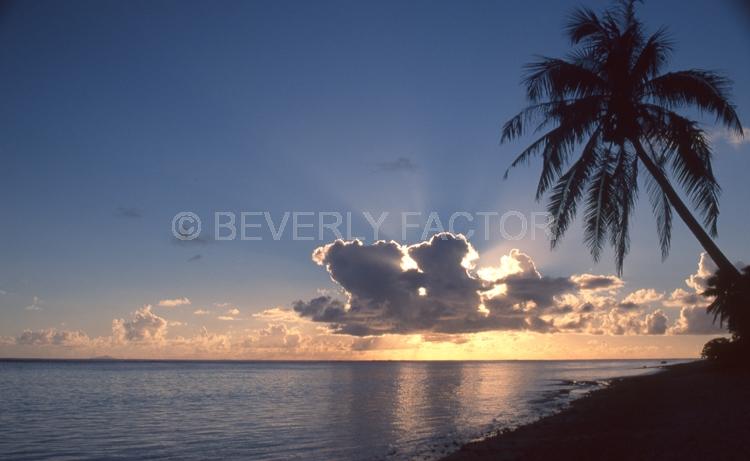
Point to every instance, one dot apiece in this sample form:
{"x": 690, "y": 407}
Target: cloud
{"x": 174, "y": 302}
{"x": 699, "y": 280}
{"x": 230, "y": 314}
{"x": 277, "y": 314}
{"x": 694, "y": 320}
{"x": 194, "y": 258}
{"x": 640, "y": 298}
{"x": 656, "y": 323}
{"x": 128, "y": 212}
{"x": 629, "y": 318}
{"x": 529, "y": 291}
{"x": 418, "y": 299}
{"x": 204, "y": 343}
{"x": 36, "y": 304}
{"x": 443, "y": 338}
{"x": 52, "y": 337}
{"x": 433, "y": 289}
{"x": 275, "y": 336}
{"x": 593, "y": 282}
{"x": 384, "y": 298}
{"x": 145, "y": 326}
{"x": 614, "y": 322}
{"x": 736, "y": 140}
{"x": 321, "y": 309}
{"x": 399, "y": 164}
{"x": 680, "y": 298}
{"x": 387, "y": 342}
{"x": 438, "y": 291}
{"x": 731, "y": 137}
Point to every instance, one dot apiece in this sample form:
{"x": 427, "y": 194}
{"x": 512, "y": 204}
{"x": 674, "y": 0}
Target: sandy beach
{"x": 690, "y": 411}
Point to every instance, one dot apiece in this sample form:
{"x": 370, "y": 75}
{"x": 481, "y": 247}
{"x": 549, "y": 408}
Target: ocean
{"x": 279, "y": 410}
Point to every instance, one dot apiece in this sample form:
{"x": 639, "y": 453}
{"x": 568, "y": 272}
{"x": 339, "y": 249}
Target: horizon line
{"x": 115, "y": 359}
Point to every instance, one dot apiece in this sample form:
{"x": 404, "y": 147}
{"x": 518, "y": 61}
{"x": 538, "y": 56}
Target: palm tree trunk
{"x": 708, "y": 244}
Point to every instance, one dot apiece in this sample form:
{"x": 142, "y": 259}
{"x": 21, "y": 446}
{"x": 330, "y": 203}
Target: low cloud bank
{"x": 402, "y": 297}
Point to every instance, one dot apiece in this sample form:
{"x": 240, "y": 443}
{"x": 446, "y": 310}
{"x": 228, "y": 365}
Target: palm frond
{"x": 660, "y": 205}
{"x": 689, "y": 153}
{"x": 731, "y": 296}
{"x": 555, "y": 154}
{"x": 625, "y": 183}
{"x": 576, "y": 120}
{"x": 706, "y": 90}
{"x": 652, "y": 57}
{"x": 624, "y": 14}
{"x": 599, "y": 200}
{"x": 559, "y": 79}
{"x": 516, "y": 126}
{"x": 532, "y": 150}
{"x": 547, "y": 112}
{"x": 569, "y": 188}
{"x": 584, "y": 24}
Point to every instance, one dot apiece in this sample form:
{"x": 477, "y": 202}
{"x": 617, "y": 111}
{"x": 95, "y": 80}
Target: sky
{"x": 117, "y": 116}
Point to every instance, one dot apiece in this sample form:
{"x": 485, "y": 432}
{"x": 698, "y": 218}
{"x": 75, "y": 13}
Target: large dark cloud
{"x": 526, "y": 288}
{"x": 439, "y": 295}
{"x": 432, "y": 288}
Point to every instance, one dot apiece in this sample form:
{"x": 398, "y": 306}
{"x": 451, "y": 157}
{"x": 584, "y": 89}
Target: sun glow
{"x": 469, "y": 261}
{"x": 498, "y": 290}
{"x": 508, "y": 266}
{"x": 407, "y": 263}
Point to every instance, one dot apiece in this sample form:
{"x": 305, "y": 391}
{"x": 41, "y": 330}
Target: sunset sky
{"x": 117, "y": 116}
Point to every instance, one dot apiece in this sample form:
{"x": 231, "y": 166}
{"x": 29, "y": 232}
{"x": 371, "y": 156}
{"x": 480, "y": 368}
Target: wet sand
{"x": 692, "y": 411}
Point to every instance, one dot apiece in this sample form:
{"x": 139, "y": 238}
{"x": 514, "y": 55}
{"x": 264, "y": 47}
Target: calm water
{"x": 277, "y": 411}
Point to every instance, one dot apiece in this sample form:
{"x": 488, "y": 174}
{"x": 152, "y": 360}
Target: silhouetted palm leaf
{"x": 661, "y": 208}
{"x": 569, "y": 188}
{"x": 703, "y": 89}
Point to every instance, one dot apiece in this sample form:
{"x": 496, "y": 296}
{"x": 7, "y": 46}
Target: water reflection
{"x": 274, "y": 411}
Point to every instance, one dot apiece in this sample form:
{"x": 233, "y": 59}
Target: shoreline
{"x": 686, "y": 411}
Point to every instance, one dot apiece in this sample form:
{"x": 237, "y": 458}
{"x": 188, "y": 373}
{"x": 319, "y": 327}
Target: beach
{"x": 692, "y": 411}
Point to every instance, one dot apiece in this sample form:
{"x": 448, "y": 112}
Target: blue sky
{"x": 117, "y": 109}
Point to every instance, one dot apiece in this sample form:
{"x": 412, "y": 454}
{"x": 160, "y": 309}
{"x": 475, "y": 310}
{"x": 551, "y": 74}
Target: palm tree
{"x": 610, "y": 98}
{"x": 731, "y": 302}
